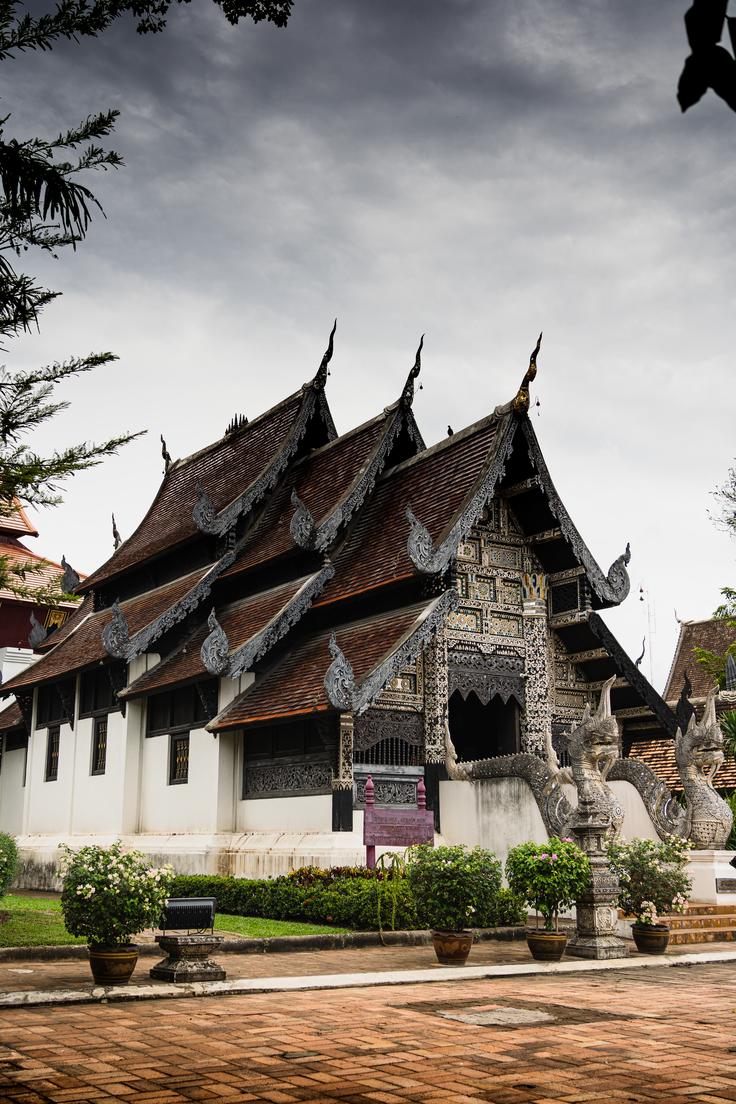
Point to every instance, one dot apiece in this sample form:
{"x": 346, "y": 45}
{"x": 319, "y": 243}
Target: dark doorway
{"x": 483, "y": 731}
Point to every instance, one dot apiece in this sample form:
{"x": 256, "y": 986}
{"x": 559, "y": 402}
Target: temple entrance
{"x": 483, "y": 730}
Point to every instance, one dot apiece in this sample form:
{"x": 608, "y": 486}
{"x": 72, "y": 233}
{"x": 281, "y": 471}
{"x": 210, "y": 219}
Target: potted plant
{"x": 109, "y": 895}
{"x": 452, "y": 887}
{"x": 549, "y": 877}
{"x": 652, "y": 883}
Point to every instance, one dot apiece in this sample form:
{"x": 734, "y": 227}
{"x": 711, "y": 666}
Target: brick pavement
{"x": 654, "y": 1035}
{"x": 75, "y": 974}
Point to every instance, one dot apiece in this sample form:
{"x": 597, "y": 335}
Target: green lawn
{"x": 37, "y": 922}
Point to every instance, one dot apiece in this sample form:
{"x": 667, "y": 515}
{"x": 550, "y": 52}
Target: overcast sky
{"x": 475, "y": 169}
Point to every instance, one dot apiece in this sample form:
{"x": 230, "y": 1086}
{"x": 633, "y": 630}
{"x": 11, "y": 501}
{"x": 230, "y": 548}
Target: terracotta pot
{"x": 546, "y": 946}
{"x": 112, "y": 965}
{"x": 651, "y": 938}
{"x": 452, "y": 947}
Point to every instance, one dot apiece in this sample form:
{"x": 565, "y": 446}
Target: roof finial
{"x": 321, "y": 377}
{"x": 521, "y": 402}
{"x": 70, "y": 578}
{"x": 117, "y": 540}
{"x": 166, "y": 454}
{"x": 407, "y": 395}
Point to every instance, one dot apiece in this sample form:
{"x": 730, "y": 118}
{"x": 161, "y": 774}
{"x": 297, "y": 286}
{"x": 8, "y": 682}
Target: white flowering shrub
{"x": 109, "y": 895}
{"x": 652, "y": 877}
{"x": 8, "y": 862}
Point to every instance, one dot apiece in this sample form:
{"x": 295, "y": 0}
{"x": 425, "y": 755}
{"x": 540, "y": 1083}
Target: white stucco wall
{"x": 97, "y": 802}
{"x": 496, "y": 813}
{"x": 286, "y": 814}
{"x": 48, "y": 805}
{"x": 187, "y": 807}
{"x": 11, "y": 791}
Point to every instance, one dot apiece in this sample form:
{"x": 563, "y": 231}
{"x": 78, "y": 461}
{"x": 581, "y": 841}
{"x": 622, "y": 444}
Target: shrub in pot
{"x": 549, "y": 877}
{"x": 652, "y": 882}
{"x": 109, "y": 895}
{"x": 452, "y": 887}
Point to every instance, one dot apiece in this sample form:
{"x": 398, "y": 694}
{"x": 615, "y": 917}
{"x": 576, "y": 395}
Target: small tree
{"x": 548, "y": 876}
{"x": 652, "y": 877}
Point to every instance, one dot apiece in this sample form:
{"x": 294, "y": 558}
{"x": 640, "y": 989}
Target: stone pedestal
{"x": 188, "y": 958}
{"x": 714, "y": 879}
{"x": 597, "y": 910}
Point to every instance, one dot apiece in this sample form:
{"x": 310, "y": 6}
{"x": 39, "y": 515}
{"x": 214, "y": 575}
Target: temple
{"x": 299, "y": 609}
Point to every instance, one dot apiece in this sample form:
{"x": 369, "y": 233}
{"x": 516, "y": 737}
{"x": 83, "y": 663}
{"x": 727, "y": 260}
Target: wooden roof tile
{"x": 14, "y": 521}
{"x": 295, "y": 685}
{"x": 320, "y": 480}
{"x": 224, "y": 469}
{"x": 436, "y": 484}
{"x": 240, "y": 621}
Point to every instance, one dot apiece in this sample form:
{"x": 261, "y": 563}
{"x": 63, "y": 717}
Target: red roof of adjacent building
{"x": 715, "y": 635}
{"x": 41, "y": 573}
{"x": 11, "y": 719}
{"x": 14, "y": 521}
{"x": 659, "y": 756}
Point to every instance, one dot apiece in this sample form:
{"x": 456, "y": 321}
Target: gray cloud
{"x": 476, "y": 170}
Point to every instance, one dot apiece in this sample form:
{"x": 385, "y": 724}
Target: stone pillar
{"x": 597, "y": 910}
{"x": 537, "y": 688}
{"x": 435, "y": 720}
{"x": 342, "y": 778}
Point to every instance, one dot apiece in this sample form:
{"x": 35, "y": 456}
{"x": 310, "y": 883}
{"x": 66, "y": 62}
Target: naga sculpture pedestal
{"x": 714, "y": 879}
{"x": 597, "y": 910}
{"x": 188, "y": 958}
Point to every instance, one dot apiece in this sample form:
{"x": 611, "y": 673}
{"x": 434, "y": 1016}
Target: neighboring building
{"x": 22, "y": 617}
{"x": 299, "y": 609}
{"x": 688, "y": 685}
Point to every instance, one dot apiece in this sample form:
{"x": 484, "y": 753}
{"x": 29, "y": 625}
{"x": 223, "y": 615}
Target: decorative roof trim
{"x": 626, "y": 668}
{"x": 302, "y": 525}
{"x": 430, "y": 559}
{"x": 366, "y": 479}
{"x": 280, "y": 624}
{"x": 215, "y": 650}
{"x": 339, "y": 682}
{"x": 611, "y": 588}
{"x": 407, "y": 395}
{"x": 143, "y": 639}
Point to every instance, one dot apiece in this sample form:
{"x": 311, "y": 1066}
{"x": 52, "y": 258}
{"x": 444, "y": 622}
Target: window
{"x": 51, "y": 709}
{"x": 52, "y": 754}
{"x": 179, "y": 760}
{"x": 96, "y": 694}
{"x": 99, "y": 745}
{"x": 181, "y": 710}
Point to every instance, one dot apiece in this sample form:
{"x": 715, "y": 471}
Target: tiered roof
{"x": 320, "y": 561}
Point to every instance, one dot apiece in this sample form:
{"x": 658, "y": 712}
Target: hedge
{"x": 351, "y": 898}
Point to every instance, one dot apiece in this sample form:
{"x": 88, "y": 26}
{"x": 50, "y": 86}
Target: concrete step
{"x": 705, "y": 909}
{"x": 702, "y": 935}
{"x": 701, "y": 920}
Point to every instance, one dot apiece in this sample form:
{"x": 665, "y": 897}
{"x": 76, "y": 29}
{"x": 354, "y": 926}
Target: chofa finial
{"x": 117, "y": 540}
{"x": 407, "y": 395}
{"x": 70, "y": 578}
{"x": 521, "y": 402}
{"x": 322, "y": 372}
{"x": 165, "y": 454}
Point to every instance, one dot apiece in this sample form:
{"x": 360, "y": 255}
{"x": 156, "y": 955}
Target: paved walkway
{"x": 655, "y": 1035}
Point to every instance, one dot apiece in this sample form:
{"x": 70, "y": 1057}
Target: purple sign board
{"x": 395, "y": 827}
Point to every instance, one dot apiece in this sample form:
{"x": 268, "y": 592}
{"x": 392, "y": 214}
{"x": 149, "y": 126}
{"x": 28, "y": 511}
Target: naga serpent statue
{"x": 699, "y": 754}
{"x": 593, "y": 747}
